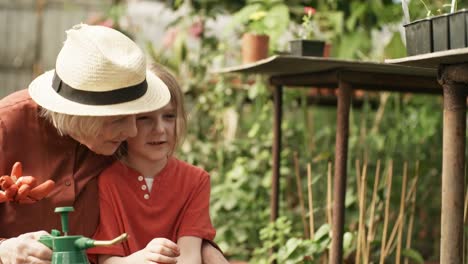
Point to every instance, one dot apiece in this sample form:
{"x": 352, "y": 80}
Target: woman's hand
{"x": 25, "y": 249}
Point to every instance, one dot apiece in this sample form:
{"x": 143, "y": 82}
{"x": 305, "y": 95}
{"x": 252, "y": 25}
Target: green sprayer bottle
{"x": 72, "y": 249}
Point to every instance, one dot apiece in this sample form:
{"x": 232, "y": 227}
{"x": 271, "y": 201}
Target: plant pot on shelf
{"x": 458, "y": 27}
{"x": 305, "y": 47}
{"x": 254, "y": 47}
{"x": 440, "y": 33}
{"x": 418, "y": 37}
{"x": 327, "y": 50}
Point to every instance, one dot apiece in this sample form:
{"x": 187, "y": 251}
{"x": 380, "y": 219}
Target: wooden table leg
{"x": 341, "y": 157}
{"x": 453, "y": 181}
{"x": 278, "y": 111}
{"x": 454, "y": 80}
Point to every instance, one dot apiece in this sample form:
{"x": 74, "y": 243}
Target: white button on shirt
{"x": 140, "y": 178}
{"x": 146, "y": 196}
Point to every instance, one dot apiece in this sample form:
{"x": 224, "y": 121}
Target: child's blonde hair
{"x": 177, "y": 100}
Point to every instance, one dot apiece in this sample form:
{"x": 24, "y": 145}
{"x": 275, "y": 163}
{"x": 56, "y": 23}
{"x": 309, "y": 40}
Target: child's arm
{"x": 158, "y": 250}
{"x": 190, "y": 250}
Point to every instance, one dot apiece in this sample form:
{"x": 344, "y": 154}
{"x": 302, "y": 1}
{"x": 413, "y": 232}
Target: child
{"x": 152, "y": 196}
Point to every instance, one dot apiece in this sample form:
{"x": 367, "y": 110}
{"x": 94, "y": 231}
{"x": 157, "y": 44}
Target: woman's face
{"x": 114, "y": 131}
{"x": 156, "y": 136}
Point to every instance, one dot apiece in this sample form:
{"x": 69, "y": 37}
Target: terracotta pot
{"x": 254, "y": 47}
{"x": 327, "y": 50}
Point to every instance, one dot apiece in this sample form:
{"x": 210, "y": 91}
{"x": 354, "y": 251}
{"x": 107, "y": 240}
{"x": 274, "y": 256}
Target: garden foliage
{"x": 230, "y": 134}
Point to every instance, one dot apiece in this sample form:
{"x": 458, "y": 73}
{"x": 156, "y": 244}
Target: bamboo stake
{"x": 466, "y": 201}
{"x": 363, "y": 222}
{"x": 464, "y": 221}
{"x": 329, "y": 207}
{"x": 412, "y": 212}
{"x": 362, "y": 211}
{"x": 370, "y": 234}
{"x": 299, "y": 192}
{"x": 311, "y": 205}
{"x": 358, "y": 176}
{"x": 466, "y": 207}
{"x": 402, "y": 212}
{"x": 380, "y": 112}
{"x": 309, "y": 119}
{"x": 358, "y": 193}
{"x": 329, "y": 195}
{"x": 390, "y": 244}
{"x": 411, "y": 192}
{"x": 363, "y": 128}
{"x": 387, "y": 208}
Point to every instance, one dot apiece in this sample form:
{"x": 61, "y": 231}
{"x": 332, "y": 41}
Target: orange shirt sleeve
{"x": 196, "y": 219}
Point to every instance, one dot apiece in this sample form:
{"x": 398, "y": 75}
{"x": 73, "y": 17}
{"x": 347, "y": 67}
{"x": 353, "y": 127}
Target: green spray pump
{"x": 71, "y": 249}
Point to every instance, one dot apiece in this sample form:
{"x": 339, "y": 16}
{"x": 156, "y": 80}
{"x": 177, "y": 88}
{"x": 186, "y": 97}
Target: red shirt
{"x": 29, "y": 138}
{"x": 178, "y": 205}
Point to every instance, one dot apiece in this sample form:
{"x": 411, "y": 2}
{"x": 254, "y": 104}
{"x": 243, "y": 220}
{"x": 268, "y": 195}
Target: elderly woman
{"x": 66, "y": 128}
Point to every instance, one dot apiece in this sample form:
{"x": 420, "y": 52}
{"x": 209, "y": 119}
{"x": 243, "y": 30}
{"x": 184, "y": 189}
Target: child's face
{"x": 156, "y": 135}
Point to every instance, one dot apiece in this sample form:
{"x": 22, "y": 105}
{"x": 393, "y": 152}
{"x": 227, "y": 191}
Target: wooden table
{"x": 343, "y": 75}
{"x": 452, "y": 66}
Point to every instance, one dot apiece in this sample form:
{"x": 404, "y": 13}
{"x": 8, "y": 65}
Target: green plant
{"x": 439, "y": 11}
{"x": 431, "y": 9}
{"x": 241, "y": 107}
{"x": 308, "y": 26}
{"x": 290, "y": 249}
{"x": 256, "y": 25}
{"x": 268, "y": 17}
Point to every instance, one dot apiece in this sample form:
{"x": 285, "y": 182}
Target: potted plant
{"x": 306, "y": 44}
{"x": 255, "y": 41}
{"x": 262, "y": 22}
{"x": 458, "y": 29}
{"x": 436, "y": 32}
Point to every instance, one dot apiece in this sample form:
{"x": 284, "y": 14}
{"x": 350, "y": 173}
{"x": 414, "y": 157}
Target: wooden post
{"x": 339, "y": 183}
{"x": 453, "y": 80}
{"x": 278, "y": 109}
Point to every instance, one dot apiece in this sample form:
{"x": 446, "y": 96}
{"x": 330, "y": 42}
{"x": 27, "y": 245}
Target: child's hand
{"x": 160, "y": 250}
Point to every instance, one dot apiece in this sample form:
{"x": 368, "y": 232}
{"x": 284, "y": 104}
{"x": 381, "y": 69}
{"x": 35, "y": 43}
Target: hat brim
{"x": 156, "y": 96}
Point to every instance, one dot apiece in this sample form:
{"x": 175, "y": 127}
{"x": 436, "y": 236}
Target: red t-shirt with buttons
{"x": 176, "y": 206}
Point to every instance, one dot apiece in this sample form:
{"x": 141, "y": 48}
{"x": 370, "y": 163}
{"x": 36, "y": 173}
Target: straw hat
{"x": 99, "y": 72}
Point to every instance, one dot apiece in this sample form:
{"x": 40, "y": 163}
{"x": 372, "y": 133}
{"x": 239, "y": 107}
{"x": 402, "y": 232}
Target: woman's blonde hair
{"x": 177, "y": 100}
{"x": 79, "y": 126}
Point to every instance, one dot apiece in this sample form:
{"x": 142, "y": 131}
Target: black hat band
{"x": 117, "y": 96}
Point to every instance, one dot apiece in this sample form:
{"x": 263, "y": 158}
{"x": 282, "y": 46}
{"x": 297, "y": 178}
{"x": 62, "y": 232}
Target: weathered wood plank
{"x": 32, "y": 38}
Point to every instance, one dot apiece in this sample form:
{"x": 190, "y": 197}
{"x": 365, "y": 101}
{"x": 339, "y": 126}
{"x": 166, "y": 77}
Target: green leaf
{"x": 322, "y": 232}
{"x": 291, "y": 246}
{"x": 413, "y": 255}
